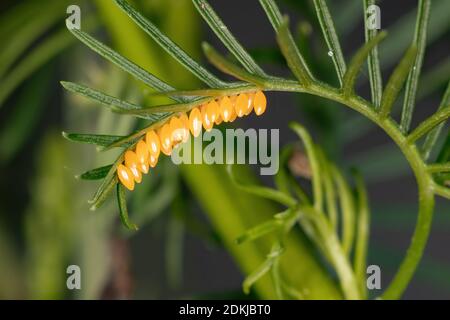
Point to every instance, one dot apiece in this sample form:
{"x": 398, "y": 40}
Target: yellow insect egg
{"x": 233, "y": 108}
{"x": 131, "y": 162}
{"x": 226, "y": 108}
{"x": 142, "y": 156}
{"x": 241, "y": 105}
{"x": 153, "y": 160}
{"x": 213, "y": 110}
{"x": 153, "y": 144}
{"x": 195, "y": 122}
{"x": 166, "y": 139}
{"x": 251, "y": 98}
{"x": 125, "y": 177}
{"x": 208, "y": 121}
{"x": 219, "y": 119}
{"x": 185, "y": 120}
{"x": 176, "y": 129}
{"x": 260, "y": 103}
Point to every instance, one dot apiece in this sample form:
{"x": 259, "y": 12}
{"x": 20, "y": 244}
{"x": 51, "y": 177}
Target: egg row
{"x": 177, "y": 130}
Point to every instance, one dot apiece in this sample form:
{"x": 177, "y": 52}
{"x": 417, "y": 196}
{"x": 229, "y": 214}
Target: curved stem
{"x": 419, "y": 168}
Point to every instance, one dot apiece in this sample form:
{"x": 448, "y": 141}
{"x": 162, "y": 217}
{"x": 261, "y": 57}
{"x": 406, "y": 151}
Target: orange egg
{"x": 241, "y": 105}
{"x": 260, "y": 103}
{"x": 153, "y": 160}
{"x": 176, "y": 129}
{"x": 132, "y": 163}
{"x": 206, "y": 120}
{"x": 142, "y": 156}
{"x": 233, "y": 108}
{"x": 153, "y": 144}
{"x": 226, "y": 109}
{"x": 251, "y": 97}
{"x": 219, "y": 119}
{"x": 125, "y": 177}
{"x": 185, "y": 120}
{"x": 195, "y": 122}
{"x": 166, "y": 139}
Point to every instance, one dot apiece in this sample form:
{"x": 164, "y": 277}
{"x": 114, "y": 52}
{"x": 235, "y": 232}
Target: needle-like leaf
{"x": 373, "y": 62}
{"x": 96, "y": 174}
{"x": 172, "y": 48}
{"x": 122, "y": 201}
{"x": 362, "y": 233}
{"x": 292, "y": 54}
{"x": 357, "y": 62}
{"x": 433, "y": 135}
{"x": 331, "y": 38}
{"x": 221, "y": 63}
{"x": 264, "y": 192}
{"x": 420, "y": 37}
{"x": 314, "y": 164}
{"x": 227, "y": 38}
{"x": 96, "y": 139}
{"x": 429, "y": 124}
{"x": 396, "y": 81}
{"x": 125, "y": 64}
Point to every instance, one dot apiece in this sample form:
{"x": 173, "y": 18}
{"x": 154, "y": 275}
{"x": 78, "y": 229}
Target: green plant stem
{"x": 426, "y": 187}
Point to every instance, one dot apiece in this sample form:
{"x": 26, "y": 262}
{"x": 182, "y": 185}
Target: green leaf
{"x": 105, "y": 189}
{"x": 314, "y": 163}
{"x": 347, "y": 210}
{"x": 153, "y": 112}
{"x": 98, "y": 96}
{"x": 292, "y": 54}
{"x": 132, "y": 138}
{"x": 396, "y": 81}
{"x": 167, "y": 44}
{"x": 125, "y": 64}
{"x": 113, "y": 103}
{"x": 331, "y": 38}
{"x": 259, "y": 231}
{"x": 264, "y": 192}
{"x": 273, "y": 13}
{"x": 210, "y": 92}
{"x": 221, "y": 63}
{"x": 373, "y": 63}
{"x": 96, "y": 174}
{"x": 357, "y": 62}
{"x": 429, "y": 124}
{"x": 433, "y": 135}
{"x": 227, "y": 38}
{"x": 256, "y": 275}
{"x": 122, "y": 201}
{"x": 96, "y": 139}
{"x": 420, "y": 42}
{"x": 330, "y": 194}
{"x": 362, "y": 233}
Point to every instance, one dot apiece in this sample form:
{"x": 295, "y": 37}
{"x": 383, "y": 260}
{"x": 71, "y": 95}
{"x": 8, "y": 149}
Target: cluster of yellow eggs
{"x": 176, "y": 130}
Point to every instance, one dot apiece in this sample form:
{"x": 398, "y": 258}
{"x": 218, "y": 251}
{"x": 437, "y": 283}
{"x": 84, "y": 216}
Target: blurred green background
{"x": 184, "y": 248}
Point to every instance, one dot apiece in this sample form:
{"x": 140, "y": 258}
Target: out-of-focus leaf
{"x": 396, "y": 81}
{"x": 348, "y": 82}
{"x": 25, "y": 115}
{"x": 263, "y": 192}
